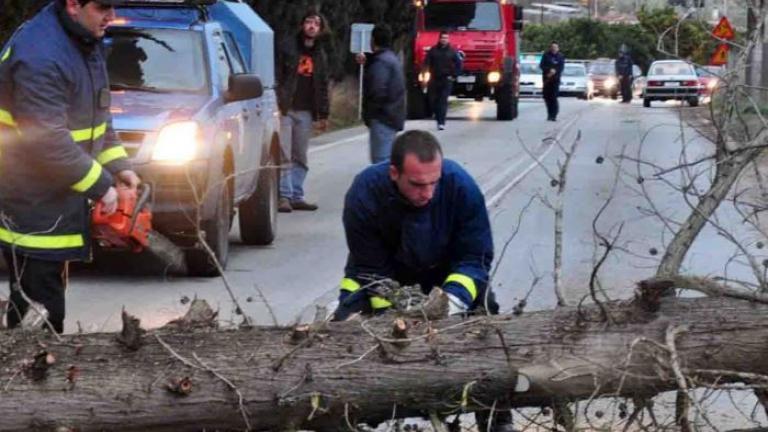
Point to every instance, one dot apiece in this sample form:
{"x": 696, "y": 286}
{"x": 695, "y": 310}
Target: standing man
{"x": 551, "y": 65}
{"x": 58, "y": 149}
{"x": 624, "y": 72}
{"x": 383, "y": 95}
{"x": 302, "y": 92}
{"x": 443, "y": 64}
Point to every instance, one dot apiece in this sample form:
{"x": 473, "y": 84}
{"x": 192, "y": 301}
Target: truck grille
{"x": 131, "y": 141}
{"x": 478, "y": 60}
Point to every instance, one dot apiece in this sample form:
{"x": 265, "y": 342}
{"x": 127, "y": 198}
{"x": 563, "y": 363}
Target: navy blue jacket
{"x": 448, "y": 243}
{"x": 58, "y": 146}
{"x": 624, "y": 65}
{"x": 552, "y": 61}
{"x": 384, "y": 90}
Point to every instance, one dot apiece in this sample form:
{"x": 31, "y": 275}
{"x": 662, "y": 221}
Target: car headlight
{"x": 177, "y": 142}
{"x": 424, "y": 77}
{"x": 712, "y": 84}
{"x": 590, "y": 84}
{"x": 494, "y": 77}
{"x": 610, "y": 82}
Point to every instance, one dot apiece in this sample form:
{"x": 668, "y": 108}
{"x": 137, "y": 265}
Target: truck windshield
{"x": 483, "y": 16}
{"x": 156, "y": 60}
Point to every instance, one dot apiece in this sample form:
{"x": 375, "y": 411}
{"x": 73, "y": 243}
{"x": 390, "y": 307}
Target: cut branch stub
{"x": 400, "y": 332}
{"x": 180, "y": 386}
{"x": 300, "y": 333}
{"x": 131, "y": 335}
{"x": 651, "y": 292}
{"x": 37, "y": 370}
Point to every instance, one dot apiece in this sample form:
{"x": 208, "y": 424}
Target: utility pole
{"x": 758, "y": 56}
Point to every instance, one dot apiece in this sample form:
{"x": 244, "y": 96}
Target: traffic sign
{"x": 724, "y": 30}
{"x": 720, "y": 57}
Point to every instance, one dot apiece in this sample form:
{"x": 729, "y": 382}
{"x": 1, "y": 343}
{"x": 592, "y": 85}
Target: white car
{"x": 672, "y": 80}
{"x": 575, "y": 82}
{"x": 530, "y": 79}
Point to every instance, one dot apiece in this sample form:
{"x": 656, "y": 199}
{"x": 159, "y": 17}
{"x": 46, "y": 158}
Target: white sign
{"x": 360, "y": 40}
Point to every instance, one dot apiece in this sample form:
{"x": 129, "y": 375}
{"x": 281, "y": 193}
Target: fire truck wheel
{"x": 506, "y": 103}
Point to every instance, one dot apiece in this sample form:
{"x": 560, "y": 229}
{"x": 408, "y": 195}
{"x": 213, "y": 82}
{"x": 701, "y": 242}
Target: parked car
{"x": 193, "y": 103}
{"x": 710, "y": 78}
{"x": 531, "y": 83}
{"x": 602, "y": 73}
{"x": 672, "y": 80}
{"x": 574, "y": 81}
{"x": 638, "y": 81}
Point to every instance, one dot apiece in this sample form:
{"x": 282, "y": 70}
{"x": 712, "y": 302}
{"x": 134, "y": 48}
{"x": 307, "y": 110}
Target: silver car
{"x": 672, "y": 80}
{"x": 575, "y": 82}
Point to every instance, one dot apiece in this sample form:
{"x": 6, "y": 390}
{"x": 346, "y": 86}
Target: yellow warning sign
{"x": 724, "y": 30}
{"x": 720, "y": 57}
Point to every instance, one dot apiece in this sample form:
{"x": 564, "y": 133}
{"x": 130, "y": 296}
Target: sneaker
{"x": 284, "y": 205}
{"x": 303, "y": 205}
{"x": 440, "y": 127}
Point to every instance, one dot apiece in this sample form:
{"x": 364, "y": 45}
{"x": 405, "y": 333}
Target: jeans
{"x": 42, "y": 281}
{"x": 438, "y": 97}
{"x": 381, "y": 139}
{"x": 550, "y": 93}
{"x": 295, "y": 131}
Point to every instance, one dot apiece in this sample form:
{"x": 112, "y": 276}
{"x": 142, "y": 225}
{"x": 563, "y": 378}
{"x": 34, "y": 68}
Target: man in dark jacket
{"x": 302, "y": 92}
{"x": 383, "y": 95}
{"x": 58, "y": 149}
{"x": 551, "y": 65}
{"x": 624, "y": 72}
{"x": 444, "y": 65}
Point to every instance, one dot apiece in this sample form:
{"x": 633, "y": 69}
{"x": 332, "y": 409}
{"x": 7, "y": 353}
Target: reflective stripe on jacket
{"x": 57, "y": 146}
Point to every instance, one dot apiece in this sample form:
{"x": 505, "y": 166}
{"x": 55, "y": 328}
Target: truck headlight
{"x": 424, "y": 77}
{"x": 712, "y": 84}
{"x": 494, "y": 77}
{"x": 610, "y": 82}
{"x": 177, "y": 142}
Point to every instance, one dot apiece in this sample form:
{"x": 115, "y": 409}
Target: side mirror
{"x": 518, "y": 24}
{"x": 244, "y": 86}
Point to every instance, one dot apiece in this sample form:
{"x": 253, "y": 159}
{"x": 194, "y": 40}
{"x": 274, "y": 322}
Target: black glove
{"x": 351, "y": 304}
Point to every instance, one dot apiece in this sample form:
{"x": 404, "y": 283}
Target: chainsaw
{"x": 129, "y": 228}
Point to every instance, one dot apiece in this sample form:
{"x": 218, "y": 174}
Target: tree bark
{"x": 340, "y": 374}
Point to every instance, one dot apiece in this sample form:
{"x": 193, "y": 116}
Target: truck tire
{"x": 199, "y": 261}
{"x": 258, "y": 213}
{"x": 417, "y": 103}
{"x": 506, "y": 103}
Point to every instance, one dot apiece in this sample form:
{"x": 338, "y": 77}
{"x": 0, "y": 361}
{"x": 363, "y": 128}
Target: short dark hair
{"x": 443, "y": 32}
{"x": 418, "y": 142}
{"x": 554, "y": 42}
{"x": 382, "y": 36}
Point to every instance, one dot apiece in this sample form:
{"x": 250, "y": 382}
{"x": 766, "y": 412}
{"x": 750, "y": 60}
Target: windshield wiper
{"x": 123, "y": 86}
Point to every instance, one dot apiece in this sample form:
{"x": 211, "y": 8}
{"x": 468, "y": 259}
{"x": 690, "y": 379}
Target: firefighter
{"x": 444, "y": 65}
{"x": 57, "y": 149}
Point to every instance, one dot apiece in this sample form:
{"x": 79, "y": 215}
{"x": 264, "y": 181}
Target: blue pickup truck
{"x": 193, "y": 101}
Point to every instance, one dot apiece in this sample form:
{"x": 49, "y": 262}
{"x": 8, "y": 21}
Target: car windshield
{"x": 602, "y": 68}
{"x": 483, "y": 16}
{"x": 529, "y": 68}
{"x": 156, "y": 60}
{"x": 676, "y": 68}
{"x": 574, "y": 71}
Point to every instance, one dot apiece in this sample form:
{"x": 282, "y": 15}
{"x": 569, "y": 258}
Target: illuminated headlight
{"x": 424, "y": 77}
{"x": 590, "y": 84}
{"x": 712, "y": 84}
{"x": 177, "y": 142}
{"x": 494, "y": 77}
{"x": 610, "y": 82}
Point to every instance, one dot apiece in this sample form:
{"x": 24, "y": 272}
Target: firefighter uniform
{"x": 57, "y": 150}
{"x": 447, "y": 243}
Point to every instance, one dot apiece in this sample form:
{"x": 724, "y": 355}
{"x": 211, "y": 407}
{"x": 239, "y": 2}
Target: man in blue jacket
{"x": 58, "y": 149}
{"x": 383, "y": 94}
{"x": 551, "y": 65}
{"x": 419, "y": 219}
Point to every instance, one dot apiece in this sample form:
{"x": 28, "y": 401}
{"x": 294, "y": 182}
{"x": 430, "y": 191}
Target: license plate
{"x": 672, "y": 84}
{"x": 466, "y": 79}
{"x": 570, "y": 84}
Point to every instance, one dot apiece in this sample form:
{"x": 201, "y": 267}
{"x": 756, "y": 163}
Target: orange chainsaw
{"x": 130, "y": 228}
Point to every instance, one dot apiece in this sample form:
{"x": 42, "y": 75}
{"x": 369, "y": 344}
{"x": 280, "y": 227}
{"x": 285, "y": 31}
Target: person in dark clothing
{"x": 58, "y": 150}
{"x": 551, "y": 65}
{"x": 383, "y": 95}
{"x": 624, "y": 72}
{"x": 302, "y": 96}
{"x": 444, "y": 65}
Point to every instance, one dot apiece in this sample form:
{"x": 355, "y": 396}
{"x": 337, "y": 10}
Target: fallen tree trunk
{"x": 268, "y": 378}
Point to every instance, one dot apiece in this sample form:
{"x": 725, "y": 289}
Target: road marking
{"x": 333, "y": 144}
{"x": 492, "y": 200}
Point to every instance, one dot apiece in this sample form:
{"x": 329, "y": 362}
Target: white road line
{"x": 491, "y": 201}
{"x": 333, "y": 144}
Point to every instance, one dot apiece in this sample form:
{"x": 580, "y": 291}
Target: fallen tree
{"x": 190, "y": 375}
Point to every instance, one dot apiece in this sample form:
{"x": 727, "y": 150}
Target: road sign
{"x": 720, "y": 57}
{"x": 360, "y": 40}
{"x": 724, "y": 30}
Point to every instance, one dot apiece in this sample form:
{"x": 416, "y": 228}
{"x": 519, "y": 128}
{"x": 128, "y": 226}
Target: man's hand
{"x": 360, "y": 58}
{"x": 109, "y": 201}
{"x": 129, "y": 178}
{"x": 321, "y": 125}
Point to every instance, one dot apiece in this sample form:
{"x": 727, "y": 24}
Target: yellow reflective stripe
{"x": 467, "y": 282}
{"x": 350, "y": 285}
{"x": 34, "y": 241}
{"x": 90, "y": 179}
{"x": 379, "y": 303}
{"x": 6, "y": 54}
{"x": 112, "y": 154}
{"x": 6, "y": 118}
{"x": 90, "y": 133}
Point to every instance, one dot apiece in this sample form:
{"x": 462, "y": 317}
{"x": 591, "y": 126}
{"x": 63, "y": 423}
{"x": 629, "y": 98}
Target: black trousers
{"x": 550, "y": 93}
{"x": 438, "y": 93}
{"x": 625, "y": 81}
{"x": 42, "y": 281}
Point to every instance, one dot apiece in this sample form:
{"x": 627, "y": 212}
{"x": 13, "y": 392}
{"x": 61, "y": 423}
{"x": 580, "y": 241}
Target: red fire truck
{"x": 486, "y": 34}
